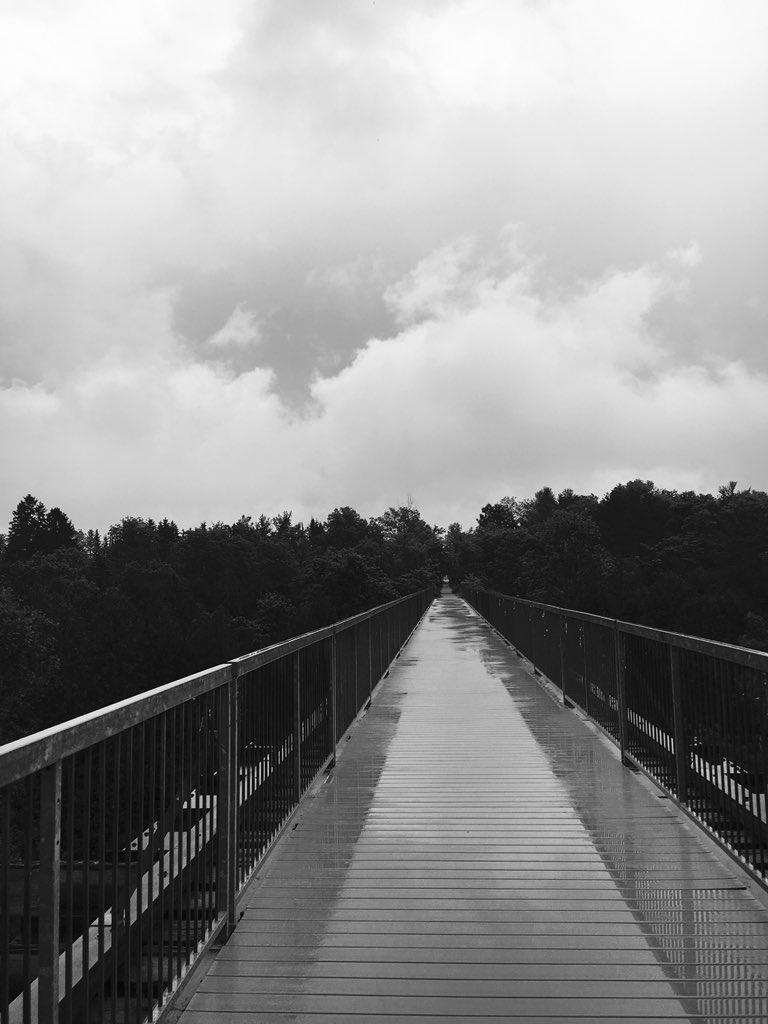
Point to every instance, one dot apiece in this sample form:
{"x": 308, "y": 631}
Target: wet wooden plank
{"x": 552, "y": 971}
{"x": 316, "y": 1017}
{"x": 361, "y": 1007}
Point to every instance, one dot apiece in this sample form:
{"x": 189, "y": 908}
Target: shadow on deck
{"x": 479, "y": 852}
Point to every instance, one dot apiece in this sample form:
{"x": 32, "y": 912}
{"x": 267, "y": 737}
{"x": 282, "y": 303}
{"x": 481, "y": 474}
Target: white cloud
{"x": 688, "y": 257}
{"x": 240, "y": 331}
{"x": 315, "y": 164}
{"x": 500, "y": 393}
{"x": 490, "y": 55}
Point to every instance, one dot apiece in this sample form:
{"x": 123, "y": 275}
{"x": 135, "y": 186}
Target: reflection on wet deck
{"x": 479, "y": 853}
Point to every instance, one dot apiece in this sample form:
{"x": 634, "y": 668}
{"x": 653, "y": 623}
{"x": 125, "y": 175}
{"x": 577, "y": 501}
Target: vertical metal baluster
{"x": 5, "y": 888}
{"x": 27, "y": 924}
{"x": 180, "y": 830}
{"x": 747, "y": 784}
{"x": 584, "y": 631}
{"x": 128, "y": 834}
{"x": 151, "y": 854}
{"x": 115, "y": 931}
{"x": 173, "y": 839}
{"x": 206, "y": 803}
{"x": 208, "y": 822}
{"x": 271, "y": 790}
{"x": 286, "y": 734}
{"x": 263, "y": 724}
{"x": 234, "y": 801}
{"x": 334, "y": 734}
{"x": 226, "y": 828}
{"x": 678, "y": 726}
{"x": 68, "y": 831}
{"x": 286, "y": 788}
{"x": 370, "y": 658}
{"x": 244, "y": 782}
{"x": 251, "y": 724}
{"x": 716, "y": 808}
{"x": 561, "y": 638}
{"x": 280, "y": 741}
{"x": 163, "y": 873}
{"x": 296, "y": 728}
{"x": 49, "y": 894}
{"x": 621, "y": 696}
{"x": 87, "y": 784}
{"x": 102, "y": 881}
{"x": 141, "y": 823}
{"x": 357, "y": 700}
{"x": 69, "y": 936}
{"x": 725, "y": 829}
{"x": 762, "y": 745}
{"x": 198, "y": 803}
{"x": 190, "y": 818}
{"x": 279, "y": 736}
{"x": 733, "y": 733}
{"x": 746, "y": 781}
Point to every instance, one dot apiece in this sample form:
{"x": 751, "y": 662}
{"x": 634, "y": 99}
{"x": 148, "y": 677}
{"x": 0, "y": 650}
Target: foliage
{"x": 686, "y": 562}
{"x": 87, "y": 620}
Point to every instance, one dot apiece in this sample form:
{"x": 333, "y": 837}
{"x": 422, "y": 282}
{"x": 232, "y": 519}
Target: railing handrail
{"x": 713, "y": 648}
{"x": 38, "y": 750}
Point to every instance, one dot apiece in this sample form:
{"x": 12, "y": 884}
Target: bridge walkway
{"x": 479, "y": 853}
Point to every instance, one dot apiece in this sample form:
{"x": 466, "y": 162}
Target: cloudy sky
{"x": 270, "y": 254}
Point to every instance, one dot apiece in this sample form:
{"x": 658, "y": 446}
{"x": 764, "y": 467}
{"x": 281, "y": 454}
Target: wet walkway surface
{"x": 479, "y": 853}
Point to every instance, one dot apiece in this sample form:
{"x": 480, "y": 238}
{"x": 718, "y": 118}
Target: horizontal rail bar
{"x": 38, "y": 750}
{"x": 714, "y": 648}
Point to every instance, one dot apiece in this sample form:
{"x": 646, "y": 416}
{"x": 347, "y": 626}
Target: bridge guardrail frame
{"x": 132, "y": 831}
{"x": 691, "y": 713}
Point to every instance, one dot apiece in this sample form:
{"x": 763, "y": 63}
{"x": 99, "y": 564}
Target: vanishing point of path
{"x": 480, "y": 853}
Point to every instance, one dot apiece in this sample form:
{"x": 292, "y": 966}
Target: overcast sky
{"x": 261, "y": 255}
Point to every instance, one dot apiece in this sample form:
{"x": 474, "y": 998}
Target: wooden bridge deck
{"x": 479, "y": 852}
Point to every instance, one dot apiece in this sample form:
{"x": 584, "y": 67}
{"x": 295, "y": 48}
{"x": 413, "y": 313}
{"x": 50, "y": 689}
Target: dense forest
{"x": 684, "y": 562}
{"x": 87, "y": 620}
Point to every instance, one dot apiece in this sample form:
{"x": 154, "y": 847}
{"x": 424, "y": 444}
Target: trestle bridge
{"x": 452, "y": 808}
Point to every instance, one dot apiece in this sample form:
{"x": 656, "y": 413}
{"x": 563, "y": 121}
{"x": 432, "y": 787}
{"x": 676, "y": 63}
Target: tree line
{"x": 679, "y": 561}
{"x": 86, "y": 620}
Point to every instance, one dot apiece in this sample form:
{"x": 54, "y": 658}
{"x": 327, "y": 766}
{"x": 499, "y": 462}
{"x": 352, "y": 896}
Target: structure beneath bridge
{"x": 478, "y": 852}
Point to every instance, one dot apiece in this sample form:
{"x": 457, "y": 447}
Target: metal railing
{"x": 691, "y": 713}
{"x": 127, "y": 835}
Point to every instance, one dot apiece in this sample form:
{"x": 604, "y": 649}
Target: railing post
{"x": 621, "y": 694}
{"x": 370, "y": 658}
{"x": 358, "y": 702}
{"x": 584, "y": 664}
{"x": 226, "y": 804}
{"x": 334, "y": 698}
{"x": 561, "y": 638}
{"x": 50, "y": 885}
{"x": 681, "y": 750}
{"x": 297, "y": 726}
